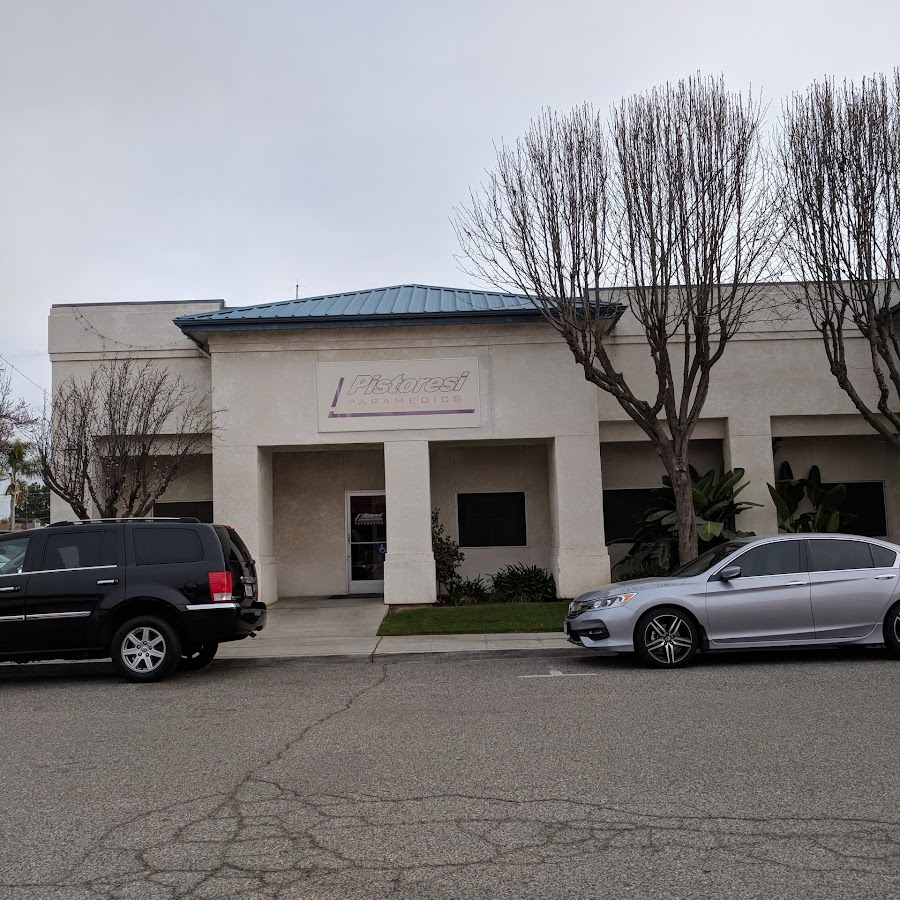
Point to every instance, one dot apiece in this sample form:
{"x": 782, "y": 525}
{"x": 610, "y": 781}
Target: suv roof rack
{"x": 128, "y": 519}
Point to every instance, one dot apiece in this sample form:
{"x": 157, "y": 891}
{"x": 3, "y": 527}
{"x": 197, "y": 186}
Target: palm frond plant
{"x": 716, "y": 508}
{"x": 824, "y": 512}
{"x": 18, "y": 465}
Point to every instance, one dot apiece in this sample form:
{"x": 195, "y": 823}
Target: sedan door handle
{"x": 884, "y": 577}
{"x": 9, "y": 589}
{"x": 108, "y": 581}
{"x": 796, "y": 584}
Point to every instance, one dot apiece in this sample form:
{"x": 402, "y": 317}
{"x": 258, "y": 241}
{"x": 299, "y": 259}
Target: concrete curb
{"x": 517, "y": 653}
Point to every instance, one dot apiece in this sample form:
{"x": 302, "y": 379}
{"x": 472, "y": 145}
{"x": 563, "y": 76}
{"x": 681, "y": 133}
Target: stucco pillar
{"x": 578, "y": 556}
{"x": 748, "y": 445}
{"x": 242, "y": 498}
{"x": 409, "y": 563}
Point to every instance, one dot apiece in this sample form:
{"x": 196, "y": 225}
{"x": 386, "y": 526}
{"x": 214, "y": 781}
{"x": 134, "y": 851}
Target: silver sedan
{"x": 787, "y": 591}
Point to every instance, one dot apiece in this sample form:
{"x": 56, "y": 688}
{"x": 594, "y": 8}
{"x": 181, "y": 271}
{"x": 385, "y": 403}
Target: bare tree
{"x": 14, "y": 413}
{"x": 839, "y": 167}
{"x": 666, "y": 207}
{"x": 116, "y": 440}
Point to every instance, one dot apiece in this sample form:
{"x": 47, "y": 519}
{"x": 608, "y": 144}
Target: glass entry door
{"x": 366, "y": 542}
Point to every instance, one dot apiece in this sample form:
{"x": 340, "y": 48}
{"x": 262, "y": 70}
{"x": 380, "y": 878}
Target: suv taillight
{"x": 220, "y": 586}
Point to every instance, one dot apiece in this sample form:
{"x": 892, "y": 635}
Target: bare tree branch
{"x": 839, "y": 179}
{"x": 665, "y": 210}
{"x": 116, "y": 440}
{"x": 14, "y": 412}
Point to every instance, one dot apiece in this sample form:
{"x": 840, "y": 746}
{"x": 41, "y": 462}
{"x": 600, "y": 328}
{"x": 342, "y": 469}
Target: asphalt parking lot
{"x": 745, "y": 776}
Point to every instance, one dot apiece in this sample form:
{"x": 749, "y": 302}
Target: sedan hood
{"x": 635, "y": 586}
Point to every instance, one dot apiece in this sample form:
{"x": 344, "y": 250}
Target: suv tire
{"x": 666, "y": 638}
{"x": 198, "y": 657}
{"x": 146, "y": 648}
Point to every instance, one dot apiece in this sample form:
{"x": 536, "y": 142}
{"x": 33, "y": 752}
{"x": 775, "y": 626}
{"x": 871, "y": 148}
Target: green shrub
{"x": 465, "y": 591}
{"x": 522, "y": 584}
{"x": 447, "y": 555}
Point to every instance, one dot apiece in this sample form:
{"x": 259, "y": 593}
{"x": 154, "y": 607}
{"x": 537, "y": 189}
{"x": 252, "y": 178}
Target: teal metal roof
{"x": 403, "y": 304}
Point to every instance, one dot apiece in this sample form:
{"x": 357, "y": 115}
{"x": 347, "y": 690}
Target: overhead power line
{"x": 15, "y": 369}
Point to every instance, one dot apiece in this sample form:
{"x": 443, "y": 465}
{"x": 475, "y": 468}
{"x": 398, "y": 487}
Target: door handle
{"x": 108, "y": 581}
{"x": 796, "y": 584}
{"x": 10, "y": 589}
{"x": 884, "y": 577}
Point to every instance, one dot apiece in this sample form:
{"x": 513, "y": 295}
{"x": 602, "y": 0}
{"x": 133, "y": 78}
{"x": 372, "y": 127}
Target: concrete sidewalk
{"x": 321, "y": 627}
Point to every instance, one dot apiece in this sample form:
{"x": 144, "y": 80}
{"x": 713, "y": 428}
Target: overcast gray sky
{"x": 169, "y": 149}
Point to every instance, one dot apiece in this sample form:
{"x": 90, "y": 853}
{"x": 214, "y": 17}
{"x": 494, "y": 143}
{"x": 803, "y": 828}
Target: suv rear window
{"x": 160, "y": 545}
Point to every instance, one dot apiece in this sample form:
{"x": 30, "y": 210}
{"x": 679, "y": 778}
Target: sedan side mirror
{"x": 730, "y": 572}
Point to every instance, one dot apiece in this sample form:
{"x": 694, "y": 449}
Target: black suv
{"x": 152, "y": 594}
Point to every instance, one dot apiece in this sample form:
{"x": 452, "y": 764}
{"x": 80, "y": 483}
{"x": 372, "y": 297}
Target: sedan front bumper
{"x": 603, "y": 629}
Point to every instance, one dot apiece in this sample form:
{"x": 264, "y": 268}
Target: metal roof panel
{"x": 392, "y": 305}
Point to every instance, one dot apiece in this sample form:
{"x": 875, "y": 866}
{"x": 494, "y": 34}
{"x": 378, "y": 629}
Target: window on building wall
{"x": 623, "y": 511}
{"x": 492, "y": 520}
{"x": 199, "y": 509}
{"x": 865, "y": 500}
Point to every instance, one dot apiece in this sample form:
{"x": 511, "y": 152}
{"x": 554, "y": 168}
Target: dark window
{"x": 491, "y": 520}
{"x": 238, "y": 558}
{"x": 865, "y": 501}
{"x": 199, "y": 509}
{"x": 158, "y": 545}
{"x": 778, "y": 558}
{"x": 12, "y": 555}
{"x": 832, "y": 556}
{"x": 882, "y": 556}
{"x": 81, "y": 550}
{"x": 623, "y": 511}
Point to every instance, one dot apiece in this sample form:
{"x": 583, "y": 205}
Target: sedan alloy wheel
{"x": 666, "y": 638}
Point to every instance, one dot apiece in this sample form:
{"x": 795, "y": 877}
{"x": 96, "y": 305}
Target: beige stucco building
{"x": 342, "y": 421}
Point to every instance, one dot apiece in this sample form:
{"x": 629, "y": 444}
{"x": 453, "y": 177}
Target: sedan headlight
{"x": 577, "y": 607}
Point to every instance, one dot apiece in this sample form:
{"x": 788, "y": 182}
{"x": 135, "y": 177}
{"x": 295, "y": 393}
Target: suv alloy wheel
{"x": 146, "y": 648}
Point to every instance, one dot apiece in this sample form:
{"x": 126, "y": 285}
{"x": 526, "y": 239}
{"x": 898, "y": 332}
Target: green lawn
{"x": 485, "y": 618}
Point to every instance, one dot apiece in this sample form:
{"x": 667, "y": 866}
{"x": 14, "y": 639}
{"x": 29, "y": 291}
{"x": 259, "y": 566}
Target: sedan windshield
{"x": 706, "y": 560}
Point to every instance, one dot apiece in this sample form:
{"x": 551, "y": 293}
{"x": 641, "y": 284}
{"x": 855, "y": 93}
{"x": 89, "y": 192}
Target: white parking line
{"x": 555, "y": 673}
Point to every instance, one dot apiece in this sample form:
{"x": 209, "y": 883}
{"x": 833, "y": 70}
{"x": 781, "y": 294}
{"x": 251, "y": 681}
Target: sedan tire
{"x": 666, "y": 638}
{"x": 146, "y": 648}
{"x": 892, "y": 630}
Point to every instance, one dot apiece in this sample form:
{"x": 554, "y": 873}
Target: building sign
{"x": 388, "y": 395}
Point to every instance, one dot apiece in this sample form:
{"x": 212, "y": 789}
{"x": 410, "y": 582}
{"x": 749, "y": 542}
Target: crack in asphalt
{"x": 262, "y": 840}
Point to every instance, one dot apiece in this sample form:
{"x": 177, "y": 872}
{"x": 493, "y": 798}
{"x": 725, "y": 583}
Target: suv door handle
{"x": 884, "y": 577}
{"x": 108, "y": 581}
{"x": 9, "y": 589}
{"x": 796, "y": 584}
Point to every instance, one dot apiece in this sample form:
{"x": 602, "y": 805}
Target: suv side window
{"x": 836, "y": 555}
{"x": 158, "y": 545}
{"x": 777, "y": 558}
{"x": 79, "y": 550}
{"x": 12, "y": 555}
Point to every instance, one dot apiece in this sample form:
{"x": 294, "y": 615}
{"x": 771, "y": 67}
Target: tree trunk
{"x": 13, "y": 496}
{"x": 684, "y": 510}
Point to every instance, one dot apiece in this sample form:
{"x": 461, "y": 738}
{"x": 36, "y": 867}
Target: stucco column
{"x": 242, "y": 498}
{"x": 748, "y": 445}
{"x": 578, "y": 556}
{"x": 409, "y": 563}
